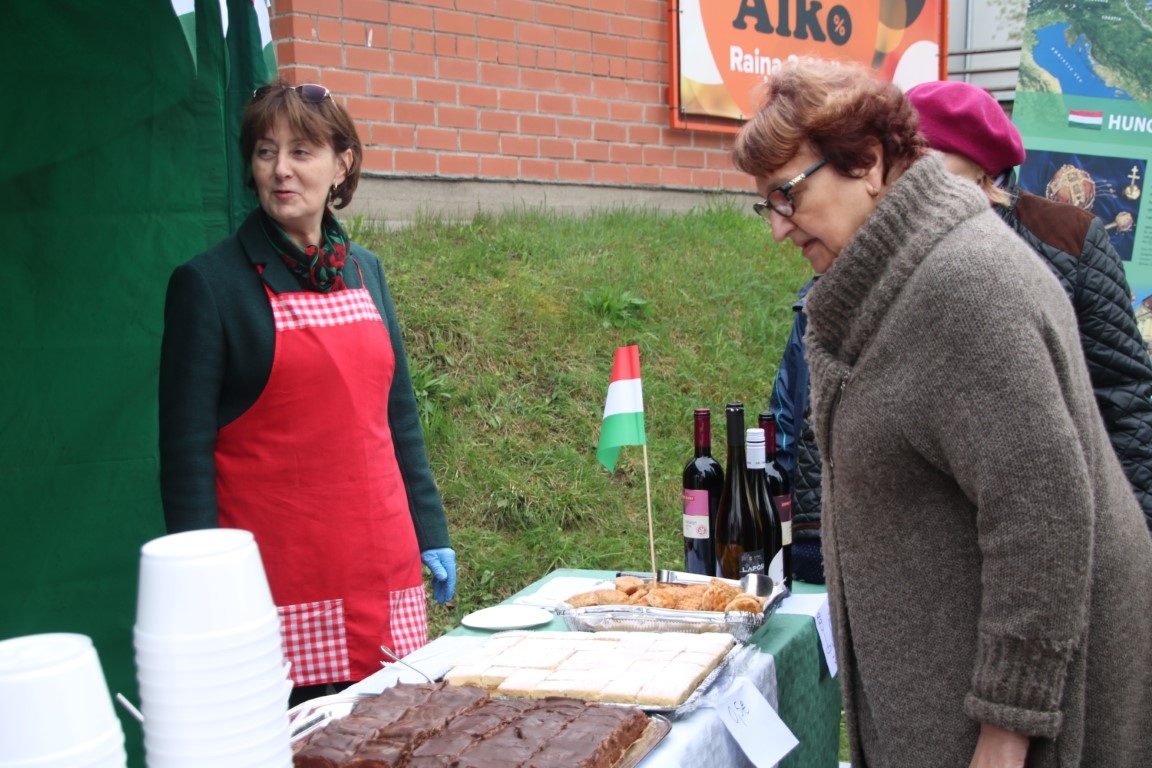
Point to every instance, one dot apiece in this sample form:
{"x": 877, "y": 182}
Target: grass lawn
{"x": 511, "y": 323}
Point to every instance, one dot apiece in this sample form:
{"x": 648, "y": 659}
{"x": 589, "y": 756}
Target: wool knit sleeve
{"x": 424, "y": 499}
{"x": 1013, "y": 417}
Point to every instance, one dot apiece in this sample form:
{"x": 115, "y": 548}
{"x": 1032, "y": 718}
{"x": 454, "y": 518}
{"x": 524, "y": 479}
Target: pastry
{"x": 629, "y": 584}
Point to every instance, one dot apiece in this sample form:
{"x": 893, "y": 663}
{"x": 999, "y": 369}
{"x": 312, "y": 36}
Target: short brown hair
{"x": 324, "y": 122}
{"x": 835, "y": 108}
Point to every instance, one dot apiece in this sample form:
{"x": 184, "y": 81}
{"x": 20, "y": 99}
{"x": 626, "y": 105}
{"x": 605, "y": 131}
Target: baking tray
{"x": 639, "y": 618}
{"x": 658, "y": 728}
{"x": 310, "y": 716}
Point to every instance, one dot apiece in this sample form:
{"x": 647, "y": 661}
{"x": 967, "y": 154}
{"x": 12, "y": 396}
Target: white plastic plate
{"x": 507, "y": 617}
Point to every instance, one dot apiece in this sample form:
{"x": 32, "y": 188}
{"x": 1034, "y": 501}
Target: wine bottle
{"x": 780, "y": 489}
{"x": 703, "y": 483}
{"x": 739, "y": 538}
{"x": 761, "y": 490}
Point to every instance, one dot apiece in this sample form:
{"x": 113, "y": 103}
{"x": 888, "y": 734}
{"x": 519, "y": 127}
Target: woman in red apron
{"x": 286, "y": 406}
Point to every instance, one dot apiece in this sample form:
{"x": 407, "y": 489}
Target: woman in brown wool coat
{"x": 987, "y": 565}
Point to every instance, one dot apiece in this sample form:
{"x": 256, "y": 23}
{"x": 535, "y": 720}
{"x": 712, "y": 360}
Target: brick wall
{"x": 554, "y": 91}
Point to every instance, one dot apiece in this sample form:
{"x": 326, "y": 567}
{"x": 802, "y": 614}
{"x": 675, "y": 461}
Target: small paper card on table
{"x": 759, "y": 731}
{"x": 815, "y": 606}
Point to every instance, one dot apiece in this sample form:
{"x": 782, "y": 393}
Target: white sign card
{"x": 815, "y": 606}
{"x": 759, "y": 731}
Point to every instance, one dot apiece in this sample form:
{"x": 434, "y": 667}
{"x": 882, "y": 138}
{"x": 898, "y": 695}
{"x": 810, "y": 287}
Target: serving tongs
{"x": 397, "y": 660}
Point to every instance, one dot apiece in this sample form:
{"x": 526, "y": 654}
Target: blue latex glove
{"x": 442, "y": 563}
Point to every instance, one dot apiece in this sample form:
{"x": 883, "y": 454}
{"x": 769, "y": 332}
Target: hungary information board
{"x": 1084, "y": 107}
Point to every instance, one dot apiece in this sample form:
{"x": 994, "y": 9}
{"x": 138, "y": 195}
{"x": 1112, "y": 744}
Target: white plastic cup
{"x": 273, "y": 754}
{"x": 221, "y": 679}
{"x": 258, "y": 632}
{"x": 55, "y": 708}
{"x": 175, "y": 707}
{"x": 228, "y": 732}
{"x": 255, "y": 691}
{"x": 153, "y": 696}
{"x": 181, "y": 673}
{"x": 105, "y": 753}
{"x": 204, "y": 582}
{"x": 271, "y": 739}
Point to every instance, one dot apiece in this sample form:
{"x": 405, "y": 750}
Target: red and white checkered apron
{"x": 310, "y": 469}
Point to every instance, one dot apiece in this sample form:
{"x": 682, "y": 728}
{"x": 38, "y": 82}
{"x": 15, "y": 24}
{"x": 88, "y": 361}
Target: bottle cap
{"x": 757, "y": 456}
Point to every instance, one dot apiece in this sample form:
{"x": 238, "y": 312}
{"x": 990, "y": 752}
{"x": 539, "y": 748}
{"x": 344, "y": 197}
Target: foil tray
{"x": 310, "y": 716}
{"x": 658, "y": 728}
{"x": 642, "y": 618}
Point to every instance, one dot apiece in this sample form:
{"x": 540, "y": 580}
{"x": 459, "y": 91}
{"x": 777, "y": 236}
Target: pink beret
{"x": 963, "y": 119}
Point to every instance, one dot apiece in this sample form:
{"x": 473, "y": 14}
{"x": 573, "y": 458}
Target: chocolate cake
{"x": 442, "y": 726}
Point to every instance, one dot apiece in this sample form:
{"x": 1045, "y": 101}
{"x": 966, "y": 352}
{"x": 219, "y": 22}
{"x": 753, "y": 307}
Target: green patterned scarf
{"x": 320, "y": 267}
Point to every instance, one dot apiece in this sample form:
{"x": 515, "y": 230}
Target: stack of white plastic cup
{"x": 209, "y": 661}
{"x": 55, "y": 709}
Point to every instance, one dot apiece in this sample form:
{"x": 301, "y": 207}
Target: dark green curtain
{"x": 118, "y": 161}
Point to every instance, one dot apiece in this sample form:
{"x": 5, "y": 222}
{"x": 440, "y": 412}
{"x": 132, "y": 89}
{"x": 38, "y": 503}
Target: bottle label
{"x": 784, "y": 509}
{"x": 752, "y": 562}
{"x": 696, "y": 523}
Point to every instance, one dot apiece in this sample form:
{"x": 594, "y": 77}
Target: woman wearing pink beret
{"x": 980, "y": 143}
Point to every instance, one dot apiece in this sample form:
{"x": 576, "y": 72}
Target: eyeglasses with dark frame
{"x": 780, "y": 198}
{"x": 309, "y": 92}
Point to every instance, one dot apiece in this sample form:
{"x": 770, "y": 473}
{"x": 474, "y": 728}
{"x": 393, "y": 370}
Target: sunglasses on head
{"x": 309, "y": 92}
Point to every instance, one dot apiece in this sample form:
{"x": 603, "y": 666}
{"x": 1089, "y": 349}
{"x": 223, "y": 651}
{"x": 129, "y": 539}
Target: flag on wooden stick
{"x": 624, "y": 408}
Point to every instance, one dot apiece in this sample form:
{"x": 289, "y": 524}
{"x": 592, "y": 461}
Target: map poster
{"x": 1084, "y": 107}
{"x": 722, "y": 49}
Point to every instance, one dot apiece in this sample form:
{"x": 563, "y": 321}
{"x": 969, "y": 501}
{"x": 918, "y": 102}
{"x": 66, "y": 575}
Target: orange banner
{"x": 723, "y": 49}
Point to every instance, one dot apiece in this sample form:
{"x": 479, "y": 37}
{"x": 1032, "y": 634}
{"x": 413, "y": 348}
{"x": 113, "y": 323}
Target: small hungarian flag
{"x": 624, "y": 408}
{"x": 1082, "y": 118}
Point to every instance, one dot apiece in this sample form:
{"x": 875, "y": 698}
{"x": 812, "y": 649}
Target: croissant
{"x": 638, "y": 597}
{"x": 630, "y": 584}
{"x": 597, "y": 597}
{"x": 745, "y": 602}
{"x": 718, "y": 595}
{"x": 662, "y": 597}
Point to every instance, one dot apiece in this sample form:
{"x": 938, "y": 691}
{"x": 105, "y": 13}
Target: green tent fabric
{"x": 118, "y": 161}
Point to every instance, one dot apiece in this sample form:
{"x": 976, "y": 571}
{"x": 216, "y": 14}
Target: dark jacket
{"x": 796, "y": 447}
{"x": 1074, "y": 245}
{"x": 216, "y": 357}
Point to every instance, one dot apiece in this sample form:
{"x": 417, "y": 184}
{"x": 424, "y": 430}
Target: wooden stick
{"x": 651, "y": 529}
